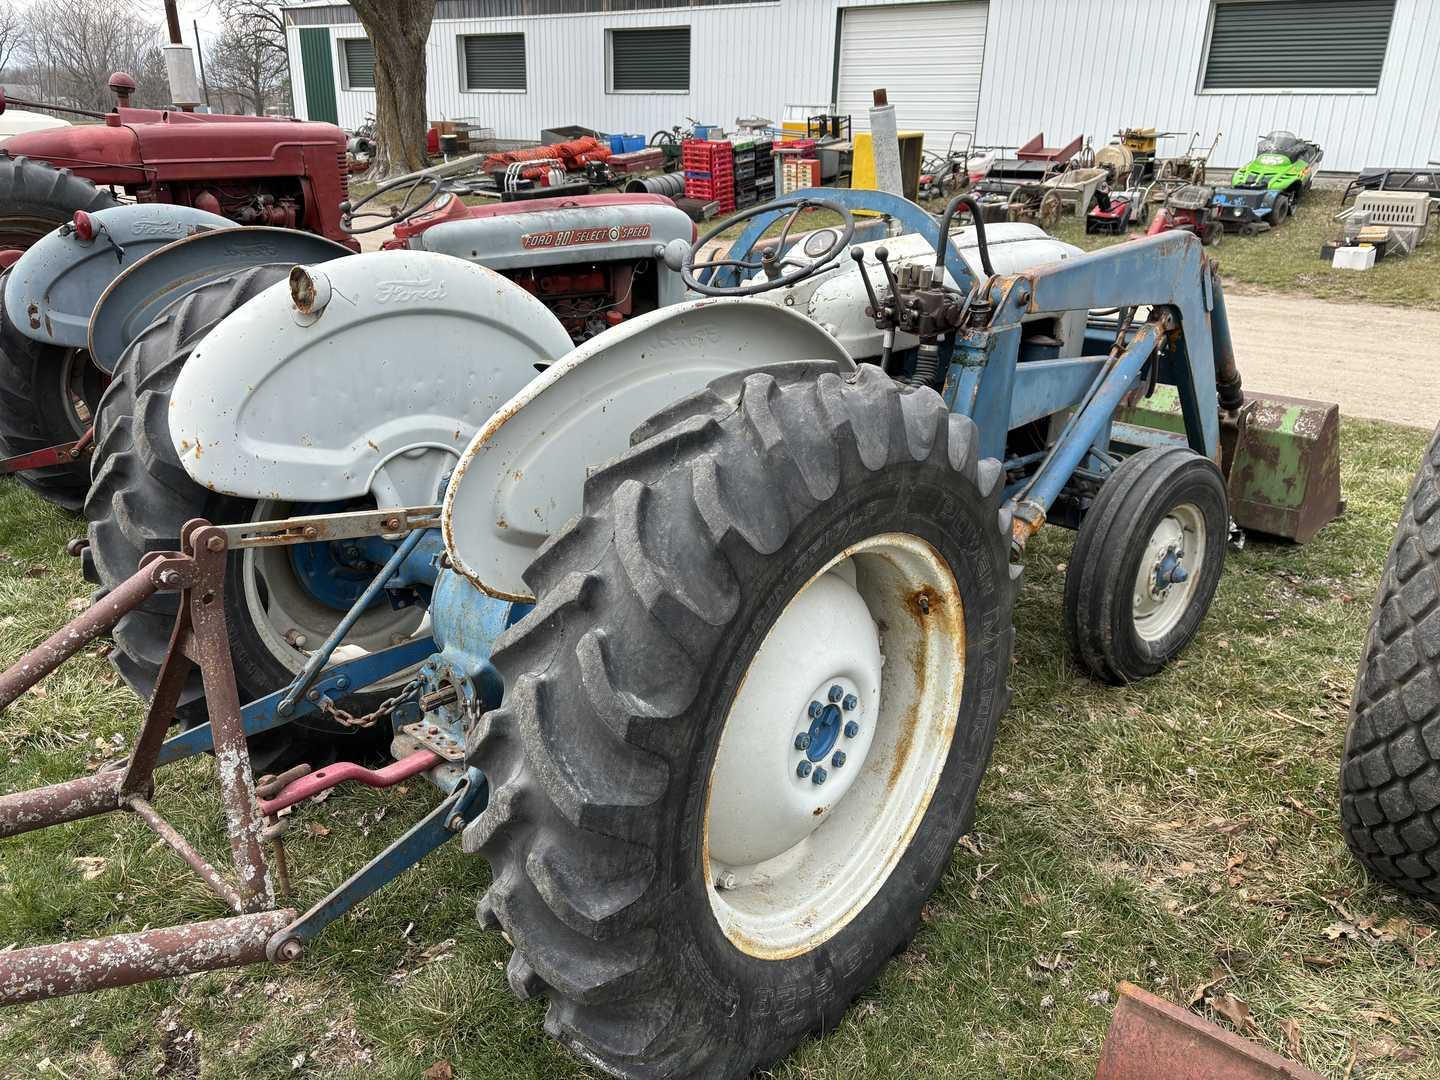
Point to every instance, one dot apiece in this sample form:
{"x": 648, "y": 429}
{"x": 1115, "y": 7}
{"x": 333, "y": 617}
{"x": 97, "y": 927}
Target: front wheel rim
{"x": 1169, "y": 571}
{"x": 795, "y": 845}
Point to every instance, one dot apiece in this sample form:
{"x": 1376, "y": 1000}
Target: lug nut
{"x": 803, "y": 769}
{"x": 818, "y": 776}
{"x": 837, "y": 692}
{"x": 851, "y": 703}
{"x": 815, "y": 710}
{"x": 838, "y": 759}
{"x": 802, "y": 741}
{"x": 851, "y": 729}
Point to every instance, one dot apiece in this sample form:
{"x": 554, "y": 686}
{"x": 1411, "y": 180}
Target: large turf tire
{"x": 36, "y": 197}
{"x": 140, "y": 498}
{"x": 650, "y": 605}
{"x": 1390, "y": 773}
{"x": 36, "y": 408}
{"x": 1110, "y": 547}
{"x": 48, "y": 394}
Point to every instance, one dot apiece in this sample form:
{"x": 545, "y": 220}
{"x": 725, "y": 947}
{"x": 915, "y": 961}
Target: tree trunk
{"x": 398, "y": 29}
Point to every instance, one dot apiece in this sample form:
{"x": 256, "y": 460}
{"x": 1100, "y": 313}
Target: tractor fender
{"x": 367, "y": 375}
{"x": 53, "y": 287}
{"x": 523, "y": 475}
{"x": 146, "y": 287}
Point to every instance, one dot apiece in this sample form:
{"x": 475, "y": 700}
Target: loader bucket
{"x": 1280, "y": 455}
{"x": 1152, "y": 1039}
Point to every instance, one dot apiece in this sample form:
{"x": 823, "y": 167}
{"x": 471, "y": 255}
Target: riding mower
{"x": 1263, "y": 193}
{"x": 1191, "y": 209}
{"x": 719, "y": 620}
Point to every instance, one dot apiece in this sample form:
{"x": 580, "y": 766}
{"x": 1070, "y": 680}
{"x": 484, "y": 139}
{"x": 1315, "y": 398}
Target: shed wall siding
{"x": 1049, "y": 65}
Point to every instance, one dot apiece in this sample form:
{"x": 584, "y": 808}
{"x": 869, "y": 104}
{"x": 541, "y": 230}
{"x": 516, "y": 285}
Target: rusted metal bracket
{"x": 322, "y": 527}
{"x": 199, "y": 639}
{"x": 63, "y": 454}
{"x": 1153, "y": 1039}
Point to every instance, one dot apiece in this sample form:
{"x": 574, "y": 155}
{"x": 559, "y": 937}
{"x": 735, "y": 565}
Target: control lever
{"x": 882, "y": 256}
{"x": 859, "y": 257}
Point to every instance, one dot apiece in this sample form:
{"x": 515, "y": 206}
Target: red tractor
{"x": 247, "y": 169}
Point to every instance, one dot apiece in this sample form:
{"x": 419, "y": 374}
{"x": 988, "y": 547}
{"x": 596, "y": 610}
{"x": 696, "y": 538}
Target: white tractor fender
{"x": 368, "y": 374}
{"x": 523, "y": 475}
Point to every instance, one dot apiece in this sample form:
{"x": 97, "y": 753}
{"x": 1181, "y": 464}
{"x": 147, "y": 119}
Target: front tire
{"x": 1146, "y": 563}
{"x": 861, "y": 509}
{"x": 1390, "y": 772}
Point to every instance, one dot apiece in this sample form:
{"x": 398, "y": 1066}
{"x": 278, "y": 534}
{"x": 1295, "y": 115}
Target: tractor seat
{"x": 1191, "y": 197}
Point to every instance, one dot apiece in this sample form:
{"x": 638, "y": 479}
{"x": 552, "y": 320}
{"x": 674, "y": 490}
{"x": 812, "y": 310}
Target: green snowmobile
{"x": 1262, "y": 193}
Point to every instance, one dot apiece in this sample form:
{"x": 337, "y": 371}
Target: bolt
{"x": 1179, "y": 573}
{"x": 839, "y": 759}
{"x": 313, "y": 695}
{"x": 391, "y": 523}
{"x": 818, "y": 776}
{"x": 803, "y": 769}
{"x": 456, "y": 823}
{"x": 815, "y": 710}
{"x": 215, "y": 543}
{"x": 343, "y": 682}
{"x": 727, "y": 881}
{"x": 289, "y": 951}
{"x": 837, "y": 692}
{"x": 850, "y": 703}
{"x": 802, "y": 741}
{"x": 170, "y": 578}
{"x": 352, "y": 552}
{"x": 295, "y": 638}
{"x": 310, "y": 532}
{"x": 852, "y": 729}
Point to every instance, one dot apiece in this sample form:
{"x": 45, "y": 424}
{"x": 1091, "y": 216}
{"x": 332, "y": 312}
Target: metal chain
{"x": 384, "y": 709}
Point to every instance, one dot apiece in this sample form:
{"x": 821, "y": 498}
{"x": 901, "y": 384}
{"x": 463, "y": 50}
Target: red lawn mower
{"x": 1190, "y": 208}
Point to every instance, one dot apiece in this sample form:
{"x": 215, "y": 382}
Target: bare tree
{"x": 79, "y": 44}
{"x": 261, "y": 23}
{"x": 398, "y": 29}
{"x": 12, "y": 30}
{"x": 244, "y": 73}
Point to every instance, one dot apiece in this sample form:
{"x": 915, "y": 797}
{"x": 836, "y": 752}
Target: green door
{"x": 319, "y": 75}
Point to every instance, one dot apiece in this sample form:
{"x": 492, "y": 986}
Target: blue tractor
{"x": 712, "y": 615}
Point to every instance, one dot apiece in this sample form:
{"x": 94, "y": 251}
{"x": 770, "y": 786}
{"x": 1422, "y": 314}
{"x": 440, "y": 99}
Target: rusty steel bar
{"x": 312, "y": 784}
{"x": 167, "y": 832}
{"x": 210, "y": 649}
{"x": 85, "y": 797}
{"x": 76, "y": 967}
{"x": 1153, "y": 1039}
{"x": 81, "y": 630}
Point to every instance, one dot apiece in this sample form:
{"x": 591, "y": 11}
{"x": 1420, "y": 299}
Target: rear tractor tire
{"x": 1146, "y": 563}
{"x": 1390, "y": 772}
{"x": 712, "y": 820}
{"x": 48, "y": 393}
{"x": 141, "y": 497}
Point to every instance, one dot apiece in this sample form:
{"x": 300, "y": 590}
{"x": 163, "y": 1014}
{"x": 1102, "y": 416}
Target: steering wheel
{"x": 772, "y": 259}
{"x": 390, "y": 215}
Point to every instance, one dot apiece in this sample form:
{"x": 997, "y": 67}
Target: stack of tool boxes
{"x": 754, "y": 175}
{"x": 710, "y": 172}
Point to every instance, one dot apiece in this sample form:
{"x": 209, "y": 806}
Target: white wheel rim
{"x": 1169, "y": 568}
{"x": 293, "y": 624}
{"x": 789, "y": 861}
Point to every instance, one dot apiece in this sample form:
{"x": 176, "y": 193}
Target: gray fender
{"x": 145, "y": 288}
{"x": 53, "y": 287}
{"x": 523, "y": 474}
{"x": 369, "y": 374}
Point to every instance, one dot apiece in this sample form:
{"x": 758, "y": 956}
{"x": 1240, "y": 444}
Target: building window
{"x": 492, "y": 61}
{"x": 1296, "y": 46}
{"x": 357, "y": 57}
{"x": 650, "y": 60}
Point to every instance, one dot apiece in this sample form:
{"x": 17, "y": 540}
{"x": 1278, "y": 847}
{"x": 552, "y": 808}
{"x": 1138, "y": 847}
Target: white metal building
{"x": 1361, "y": 77}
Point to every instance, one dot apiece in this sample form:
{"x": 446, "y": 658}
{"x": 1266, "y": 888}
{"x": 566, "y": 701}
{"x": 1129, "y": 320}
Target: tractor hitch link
{"x": 257, "y": 928}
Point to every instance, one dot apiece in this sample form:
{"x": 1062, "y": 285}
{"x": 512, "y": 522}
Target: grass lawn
{"x": 1180, "y": 833}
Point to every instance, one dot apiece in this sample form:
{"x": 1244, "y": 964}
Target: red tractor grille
{"x": 344, "y": 160}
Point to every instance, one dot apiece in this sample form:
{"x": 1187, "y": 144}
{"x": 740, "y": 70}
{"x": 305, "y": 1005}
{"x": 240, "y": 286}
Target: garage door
{"x": 928, "y": 56}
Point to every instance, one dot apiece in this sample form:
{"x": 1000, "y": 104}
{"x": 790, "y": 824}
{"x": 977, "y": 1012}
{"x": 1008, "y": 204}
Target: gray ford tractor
{"x": 712, "y": 621}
